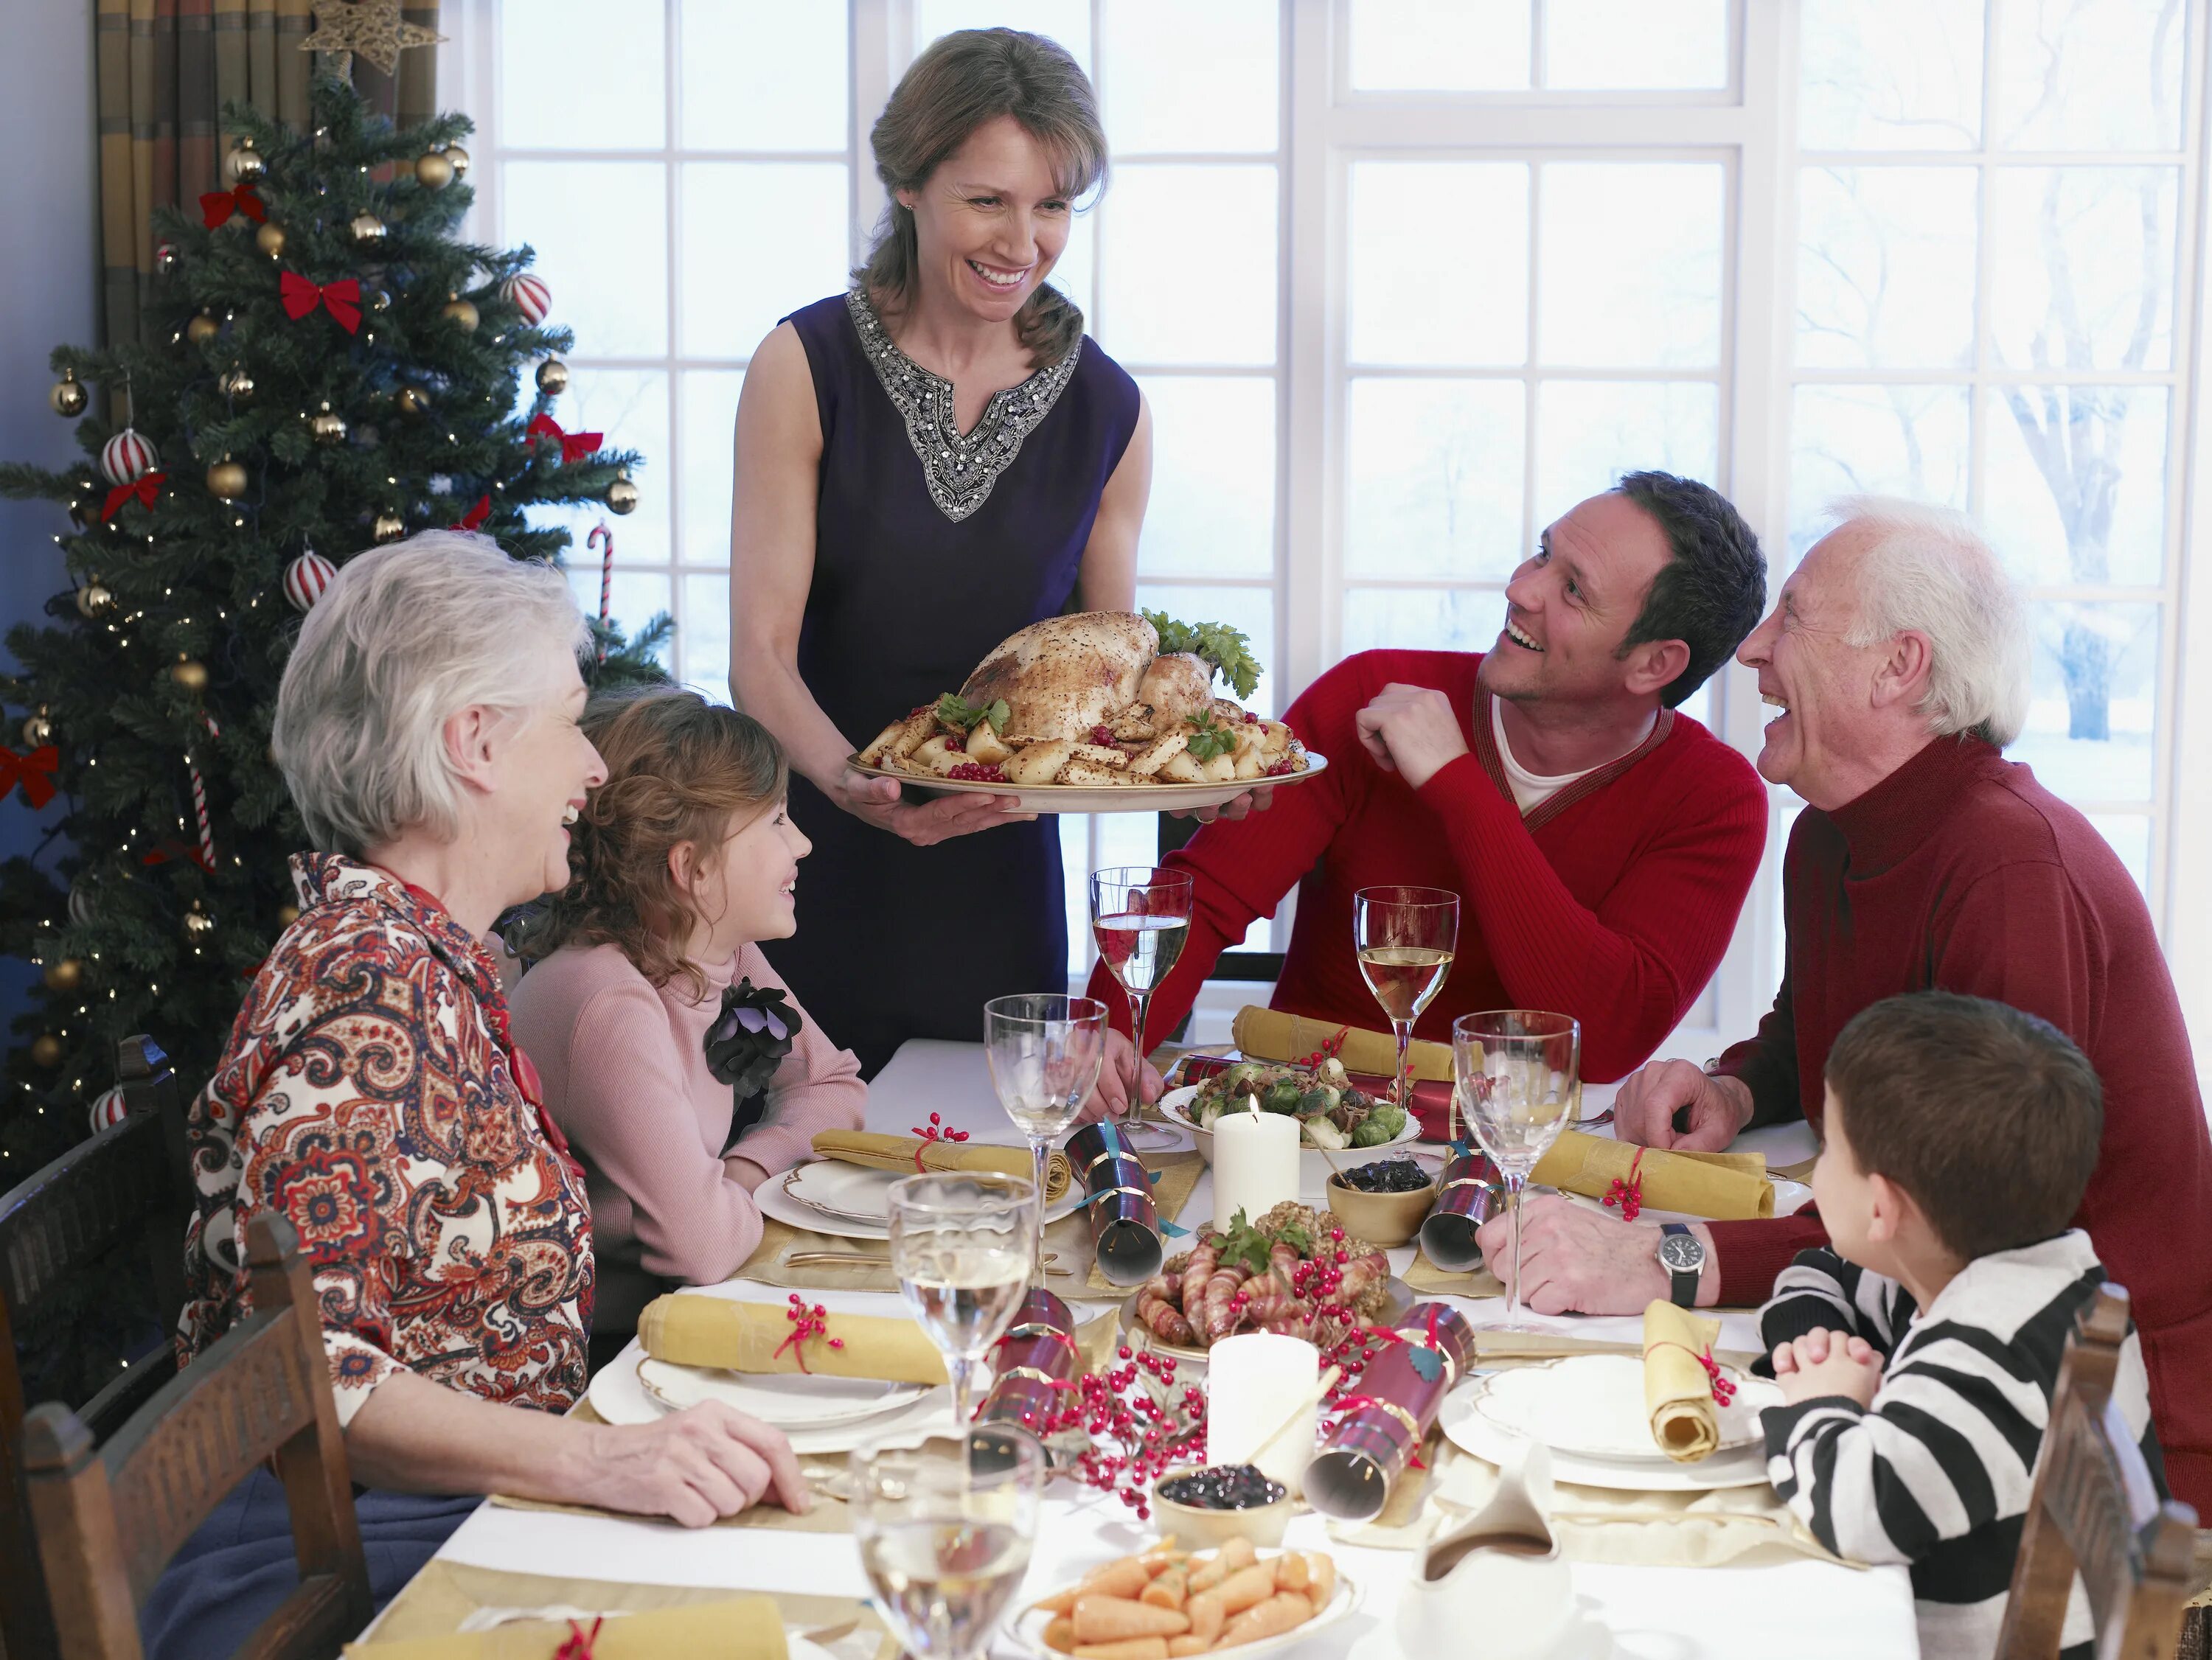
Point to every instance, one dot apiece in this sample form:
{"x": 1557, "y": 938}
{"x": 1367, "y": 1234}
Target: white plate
{"x": 1592, "y": 1406}
{"x": 1112, "y": 798}
{"x": 1029, "y": 1629}
{"x": 618, "y": 1396}
{"x": 1468, "y": 1430}
{"x": 856, "y": 1192}
{"x": 790, "y": 1401}
{"x": 1175, "y": 1106}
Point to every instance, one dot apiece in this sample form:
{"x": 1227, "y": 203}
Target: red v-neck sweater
{"x": 1960, "y": 871}
{"x": 1611, "y": 901}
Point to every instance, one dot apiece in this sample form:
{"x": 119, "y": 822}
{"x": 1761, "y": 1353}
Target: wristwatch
{"x": 1682, "y": 1254}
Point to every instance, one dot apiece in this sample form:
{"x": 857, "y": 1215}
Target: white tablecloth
{"x": 1804, "y": 1608}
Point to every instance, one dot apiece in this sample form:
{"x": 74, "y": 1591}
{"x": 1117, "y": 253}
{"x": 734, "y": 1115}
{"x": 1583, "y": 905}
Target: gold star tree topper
{"x": 372, "y": 28}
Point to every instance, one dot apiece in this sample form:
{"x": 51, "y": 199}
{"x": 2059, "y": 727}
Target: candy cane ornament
{"x": 199, "y": 798}
{"x": 603, "y": 539}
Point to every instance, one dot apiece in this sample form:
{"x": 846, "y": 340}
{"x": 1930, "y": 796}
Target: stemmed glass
{"x": 945, "y": 1542}
{"x": 1045, "y": 1050}
{"x": 1406, "y": 937}
{"x": 1517, "y": 1076}
{"x": 960, "y": 1246}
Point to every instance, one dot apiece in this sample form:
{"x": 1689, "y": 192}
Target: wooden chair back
{"x": 2094, "y": 1512}
{"x": 131, "y": 1179}
{"x": 109, "y": 1518}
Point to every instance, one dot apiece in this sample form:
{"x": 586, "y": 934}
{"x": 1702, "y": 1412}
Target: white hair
{"x": 1928, "y": 570}
{"x": 404, "y": 638}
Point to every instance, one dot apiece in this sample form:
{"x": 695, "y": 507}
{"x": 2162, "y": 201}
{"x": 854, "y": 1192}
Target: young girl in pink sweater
{"x": 648, "y": 994}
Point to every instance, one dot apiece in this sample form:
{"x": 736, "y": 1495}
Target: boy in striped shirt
{"x": 1917, "y": 1352}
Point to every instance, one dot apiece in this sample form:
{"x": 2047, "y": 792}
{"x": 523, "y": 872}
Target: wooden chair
{"x": 131, "y": 1180}
{"x": 110, "y": 1517}
{"x": 2093, "y": 1509}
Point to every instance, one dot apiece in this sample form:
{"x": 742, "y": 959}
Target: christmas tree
{"x": 339, "y": 371}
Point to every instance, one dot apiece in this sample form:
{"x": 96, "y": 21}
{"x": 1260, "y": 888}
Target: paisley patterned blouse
{"x": 369, "y": 1095}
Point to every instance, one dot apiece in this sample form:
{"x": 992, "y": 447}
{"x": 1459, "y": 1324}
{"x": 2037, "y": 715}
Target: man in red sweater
{"x": 1899, "y": 657}
{"x": 1600, "y": 843}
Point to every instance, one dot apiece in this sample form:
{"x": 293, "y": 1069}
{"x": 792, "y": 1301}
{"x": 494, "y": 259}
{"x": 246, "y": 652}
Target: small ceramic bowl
{"x": 1381, "y": 1218}
{"x": 1263, "y": 1524}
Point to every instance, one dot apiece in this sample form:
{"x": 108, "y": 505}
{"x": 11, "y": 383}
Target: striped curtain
{"x": 166, "y": 68}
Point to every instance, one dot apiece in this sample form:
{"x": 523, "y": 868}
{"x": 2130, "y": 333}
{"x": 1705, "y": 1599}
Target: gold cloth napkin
{"x": 1678, "y": 1392}
{"x": 715, "y": 1331}
{"x": 1424, "y": 1275}
{"x": 1269, "y": 1035}
{"x": 862, "y": 1147}
{"x": 1727, "y": 1186}
{"x": 735, "y": 1628}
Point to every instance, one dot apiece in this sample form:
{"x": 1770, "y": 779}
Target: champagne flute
{"x": 960, "y": 1246}
{"x": 1406, "y": 937}
{"x": 945, "y": 1543}
{"x": 1517, "y": 1076}
{"x": 1141, "y": 918}
{"x": 1045, "y": 1049}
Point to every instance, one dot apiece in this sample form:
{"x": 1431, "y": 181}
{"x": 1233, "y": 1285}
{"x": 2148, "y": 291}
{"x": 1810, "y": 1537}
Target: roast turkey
{"x": 1066, "y": 675}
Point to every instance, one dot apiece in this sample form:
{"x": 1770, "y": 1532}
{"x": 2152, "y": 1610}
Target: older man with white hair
{"x": 1897, "y": 659}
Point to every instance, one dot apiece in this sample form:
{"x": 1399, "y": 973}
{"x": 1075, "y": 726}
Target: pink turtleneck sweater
{"x": 625, "y": 1069}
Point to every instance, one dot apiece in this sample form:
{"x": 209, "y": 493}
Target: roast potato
{"x": 1040, "y": 763}
{"x": 986, "y": 747}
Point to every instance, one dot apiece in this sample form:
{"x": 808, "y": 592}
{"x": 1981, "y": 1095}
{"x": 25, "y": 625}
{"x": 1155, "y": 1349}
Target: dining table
{"x": 1771, "y": 1603}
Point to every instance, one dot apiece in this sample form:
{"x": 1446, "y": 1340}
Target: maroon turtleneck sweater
{"x": 1960, "y": 871}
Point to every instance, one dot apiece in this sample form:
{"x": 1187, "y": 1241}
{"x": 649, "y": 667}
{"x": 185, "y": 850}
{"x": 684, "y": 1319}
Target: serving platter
{"x": 1401, "y": 1294}
{"x": 1086, "y": 798}
{"x": 1315, "y": 1163}
{"x": 828, "y": 1196}
{"x": 1467, "y": 1428}
{"x": 1029, "y": 1630}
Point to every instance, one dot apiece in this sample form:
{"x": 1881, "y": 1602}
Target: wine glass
{"x": 1517, "y": 1076}
{"x": 945, "y": 1543}
{"x": 1045, "y": 1049}
{"x": 1140, "y": 918}
{"x": 1406, "y": 937}
{"x": 960, "y": 1246}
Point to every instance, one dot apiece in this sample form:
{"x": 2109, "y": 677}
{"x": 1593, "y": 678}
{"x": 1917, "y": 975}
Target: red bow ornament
{"x": 145, "y": 488}
{"x": 216, "y": 207}
{"x": 173, "y": 849}
{"x": 34, "y": 771}
{"x": 575, "y": 446}
{"x": 341, "y": 299}
{"x": 473, "y": 519}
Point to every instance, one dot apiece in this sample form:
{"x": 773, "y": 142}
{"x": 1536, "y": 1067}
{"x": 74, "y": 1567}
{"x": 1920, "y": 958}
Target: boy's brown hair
{"x": 1989, "y": 1118}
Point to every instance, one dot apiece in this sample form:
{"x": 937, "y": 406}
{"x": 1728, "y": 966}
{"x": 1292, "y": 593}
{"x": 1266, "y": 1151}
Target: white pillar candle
{"x": 1256, "y": 1164}
{"x": 1254, "y": 1383}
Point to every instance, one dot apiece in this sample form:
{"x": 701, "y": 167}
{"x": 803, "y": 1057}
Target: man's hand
{"x": 1258, "y": 799}
{"x": 1578, "y": 1261}
{"x": 928, "y": 822}
{"x": 1412, "y": 731}
{"x": 695, "y": 1466}
{"x": 1825, "y": 1362}
{"x": 1644, "y": 1106}
{"x": 1123, "y": 1081}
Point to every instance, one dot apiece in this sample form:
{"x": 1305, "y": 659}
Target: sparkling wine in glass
{"x": 1140, "y": 919}
{"x": 1516, "y": 1074}
{"x": 944, "y": 1541}
{"x": 960, "y": 1244}
{"x": 1405, "y": 937}
{"x": 1045, "y": 1049}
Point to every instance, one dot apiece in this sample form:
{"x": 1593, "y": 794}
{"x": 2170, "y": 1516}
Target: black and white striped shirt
{"x": 1937, "y": 1472}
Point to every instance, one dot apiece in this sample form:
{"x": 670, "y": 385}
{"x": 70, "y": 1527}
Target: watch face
{"x": 1681, "y": 1251}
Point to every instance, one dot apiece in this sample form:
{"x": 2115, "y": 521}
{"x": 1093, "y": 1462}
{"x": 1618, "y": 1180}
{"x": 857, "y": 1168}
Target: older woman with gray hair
{"x": 372, "y": 1095}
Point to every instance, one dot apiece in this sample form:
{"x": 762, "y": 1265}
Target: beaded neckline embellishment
{"x": 960, "y": 468}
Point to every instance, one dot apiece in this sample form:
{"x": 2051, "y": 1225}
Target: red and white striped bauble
{"x": 127, "y": 458}
{"x": 108, "y": 1110}
{"x": 305, "y": 578}
{"x": 529, "y": 296}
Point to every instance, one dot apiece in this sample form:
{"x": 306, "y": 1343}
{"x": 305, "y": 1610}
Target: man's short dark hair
{"x": 1989, "y": 1118}
{"x": 1712, "y": 592}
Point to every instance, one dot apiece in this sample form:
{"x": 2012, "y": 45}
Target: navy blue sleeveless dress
{"x": 931, "y": 547}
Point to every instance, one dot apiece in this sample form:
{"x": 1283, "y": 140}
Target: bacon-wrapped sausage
{"x": 1222, "y": 1318}
{"x": 1198, "y": 1268}
{"x": 1156, "y": 1307}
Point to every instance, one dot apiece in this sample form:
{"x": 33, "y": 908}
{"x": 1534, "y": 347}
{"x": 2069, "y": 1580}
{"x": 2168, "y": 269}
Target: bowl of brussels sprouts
{"x": 1334, "y": 1115}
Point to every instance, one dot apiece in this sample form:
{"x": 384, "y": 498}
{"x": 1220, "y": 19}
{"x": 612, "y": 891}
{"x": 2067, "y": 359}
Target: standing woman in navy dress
{"x": 924, "y": 465}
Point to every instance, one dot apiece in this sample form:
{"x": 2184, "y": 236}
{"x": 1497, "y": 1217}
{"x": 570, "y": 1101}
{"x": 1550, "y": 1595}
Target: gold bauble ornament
{"x": 326, "y": 427}
{"x": 269, "y": 239}
{"x": 622, "y": 494}
{"x": 553, "y": 376}
{"x": 93, "y": 602}
{"x": 459, "y": 158}
{"x": 245, "y": 165}
{"x": 409, "y": 401}
{"x": 64, "y": 974}
{"x": 433, "y": 172}
{"x": 367, "y": 228}
{"x": 237, "y": 385}
{"x": 227, "y": 479}
{"x": 389, "y": 527}
{"x": 287, "y": 915}
{"x": 191, "y": 674}
{"x": 68, "y": 397}
{"x": 197, "y": 924}
{"x": 38, "y": 731}
{"x": 458, "y": 310}
{"x": 45, "y": 1049}
{"x": 202, "y": 329}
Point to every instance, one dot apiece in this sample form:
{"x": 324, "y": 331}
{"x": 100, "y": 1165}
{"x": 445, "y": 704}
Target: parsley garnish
{"x": 954, "y": 712}
{"x": 1209, "y": 737}
{"x": 1225, "y": 648}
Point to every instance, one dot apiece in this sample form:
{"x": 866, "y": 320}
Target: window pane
{"x": 709, "y": 423}
{"x": 1068, "y": 21}
{"x": 2075, "y": 491}
{"x": 1885, "y": 267}
{"x": 1874, "y": 441}
{"x": 1075, "y": 272}
{"x": 703, "y": 641}
{"x": 1212, "y": 511}
{"x": 1185, "y": 77}
{"x": 1699, "y": 705}
{"x": 2071, "y": 76}
{"x": 1451, "y": 46}
{"x": 1436, "y": 479}
{"x": 1630, "y": 263}
{"x": 2082, "y": 263}
{"x": 1890, "y": 74}
{"x": 638, "y": 597}
{"x": 1252, "y": 609}
{"x": 1433, "y": 618}
{"x": 2129, "y": 836}
{"x": 1590, "y": 432}
{"x": 1438, "y": 257}
{"x": 1160, "y": 225}
{"x": 601, "y": 232}
{"x": 761, "y": 75}
{"x": 733, "y": 294}
{"x": 2092, "y": 716}
{"x": 630, "y": 406}
{"x": 621, "y": 104}
{"x": 1075, "y": 868}
{"x": 1636, "y": 43}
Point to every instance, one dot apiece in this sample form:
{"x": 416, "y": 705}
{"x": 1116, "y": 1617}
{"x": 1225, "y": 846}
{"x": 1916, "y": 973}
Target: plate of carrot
{"x": 1169, "y": 1604}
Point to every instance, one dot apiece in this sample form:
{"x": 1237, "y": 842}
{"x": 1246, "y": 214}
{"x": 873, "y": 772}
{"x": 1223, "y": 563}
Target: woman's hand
{"x": 696, "y": 1466}
{"x": 1258, "y": 799}
{"x": 928, "y": 822}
